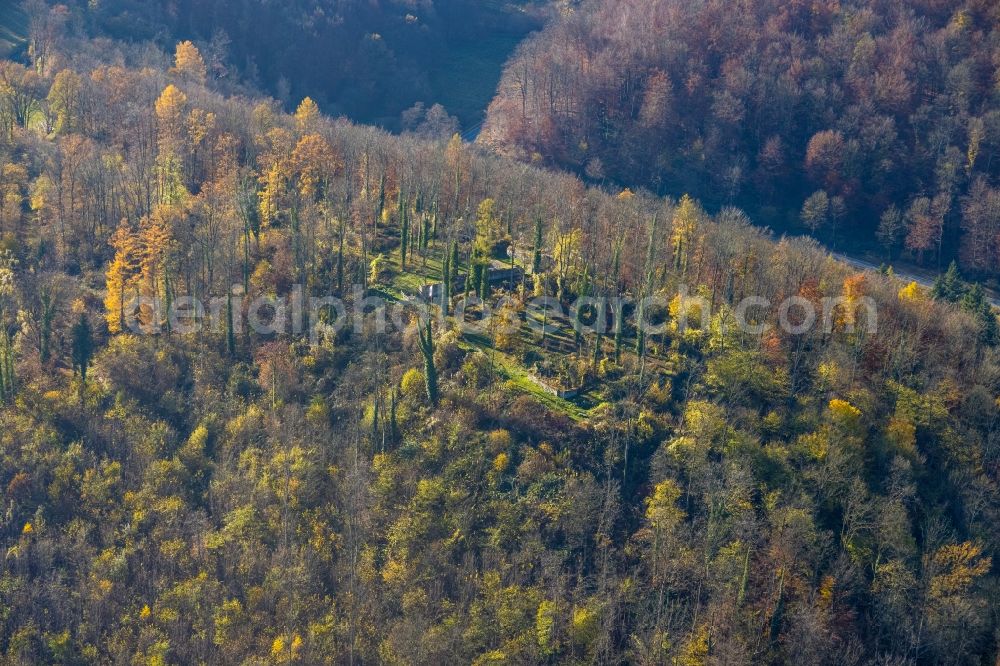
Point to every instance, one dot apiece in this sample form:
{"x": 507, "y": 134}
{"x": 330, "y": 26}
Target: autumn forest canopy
{"x": 867, "y": 124}
{"x": 497, "y": 483}
{"x": 368, "y": 60}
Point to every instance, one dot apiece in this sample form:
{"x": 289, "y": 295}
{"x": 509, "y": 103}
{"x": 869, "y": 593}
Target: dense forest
{"x": 410, "y": 495}
{"x": 370, "y": 61}
{"x": 866, "y": 123}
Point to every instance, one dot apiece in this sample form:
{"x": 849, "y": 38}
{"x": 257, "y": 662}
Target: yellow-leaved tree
{"x": 685, "y": 225}
{"x": 568, "y": 257}
{"x": 275, "y": 168}
{"x": 66, "y": 101}
{"x": 307, "y": 115}
{"x": 270, "y": 196}
{"x": 121, "y": 276}
{"x": 188, "y": 62}
{"x": 314, "y": 163}
{"x": 156, "y": 241}
{"x": 172, "y": 129}
{"x": 911, "y": 292}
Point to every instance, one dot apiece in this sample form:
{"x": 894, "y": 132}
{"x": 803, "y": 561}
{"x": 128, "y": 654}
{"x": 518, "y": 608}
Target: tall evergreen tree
{"x": 536, "y": 252}
{"x": 949, "y": 286}
{"x": 83, "y": 347}
{"x": 446, "y": 280}
{"x": 426, "y": 338}
{"x": 974, "y": 301}
{"x": 7, "y": 380}
{"x": 404, "y": 234}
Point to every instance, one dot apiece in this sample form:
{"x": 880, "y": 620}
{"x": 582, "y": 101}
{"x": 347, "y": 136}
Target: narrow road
{"x": 470, "y": 135}
{"x": 923, "y": 281}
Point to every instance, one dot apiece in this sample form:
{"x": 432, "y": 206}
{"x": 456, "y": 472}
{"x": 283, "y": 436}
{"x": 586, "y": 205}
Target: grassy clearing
{"x": 519, "y": 379}
{"x": 558, "y": 342}
{"x": 418, "y": 273}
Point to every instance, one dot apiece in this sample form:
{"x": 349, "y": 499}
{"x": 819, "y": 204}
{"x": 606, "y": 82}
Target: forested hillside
{"x": 867, "y": 123}
{"x": 367, "y": 60}
{"x": 417, "y": 495}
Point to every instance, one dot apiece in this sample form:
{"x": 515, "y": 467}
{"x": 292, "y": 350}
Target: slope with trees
{"x": 229, "y": 495}
{"x": 370, "y": 61}
{"x": 864, "y": 123}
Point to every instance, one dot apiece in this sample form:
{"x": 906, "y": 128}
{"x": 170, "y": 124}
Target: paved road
{"x": 923, "y": 281}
